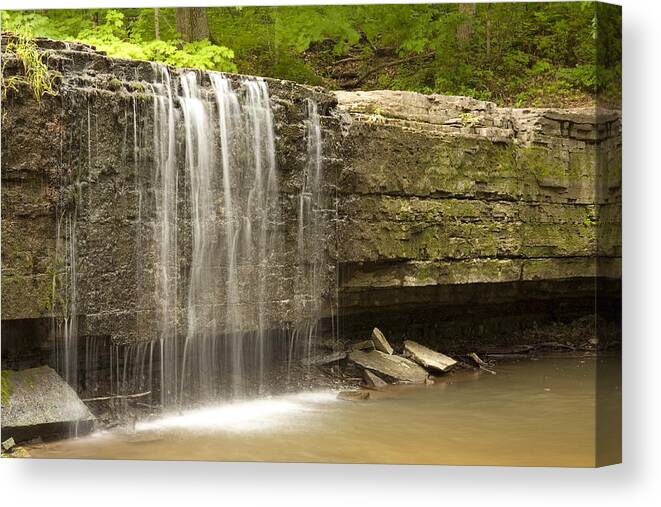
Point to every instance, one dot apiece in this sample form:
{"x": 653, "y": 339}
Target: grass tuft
{"x": 35, "y": 70}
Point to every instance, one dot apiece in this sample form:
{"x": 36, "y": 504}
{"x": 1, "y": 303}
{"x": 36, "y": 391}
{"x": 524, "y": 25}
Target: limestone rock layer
{"x": 451, "y": 218}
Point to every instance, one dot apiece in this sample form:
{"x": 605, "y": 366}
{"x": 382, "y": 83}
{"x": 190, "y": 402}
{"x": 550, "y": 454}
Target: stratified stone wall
{"x": 78, "y": 171}
{"x": 456, "y": 219}
{"x": 449, "y": 201}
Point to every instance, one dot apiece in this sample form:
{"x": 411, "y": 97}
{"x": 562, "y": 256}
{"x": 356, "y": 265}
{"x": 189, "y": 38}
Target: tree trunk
{"x": 192, "y": 23}
{"x": 465, "y": 28}
{"x": 489, "y": 33}
{"x": 157, "y": 24}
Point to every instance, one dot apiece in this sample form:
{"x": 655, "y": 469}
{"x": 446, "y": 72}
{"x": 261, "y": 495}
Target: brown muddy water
{"x": 531, "y": 413}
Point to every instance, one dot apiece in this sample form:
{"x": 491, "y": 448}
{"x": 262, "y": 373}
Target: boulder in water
{"x": 41, "y": 404}
{"x": 428, "y": 357}
{"x": 353, "y": 395}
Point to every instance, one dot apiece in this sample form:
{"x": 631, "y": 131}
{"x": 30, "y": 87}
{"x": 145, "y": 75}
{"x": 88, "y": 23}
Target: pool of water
{"x": 531, "y": 413}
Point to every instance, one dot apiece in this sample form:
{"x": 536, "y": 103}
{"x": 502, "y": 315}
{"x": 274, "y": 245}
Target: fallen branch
{"x": 476, "y": 359}
{"x": 484, "y": 368}
{"x": 384, "y": 65}
{"x": 348, "y": 60}
{"x": 555, "y": 345}
{"x": 118, "y": 397}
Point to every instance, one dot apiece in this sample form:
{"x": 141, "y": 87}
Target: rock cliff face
{"x": 78, "y": 169}
{"x": 461, "y": 220}
{"x": 457, "y": 221}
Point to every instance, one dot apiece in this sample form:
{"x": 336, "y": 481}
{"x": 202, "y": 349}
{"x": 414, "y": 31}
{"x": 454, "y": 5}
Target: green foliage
{"x": 35, "y": 73}
{"x": 55, "y": 25}
{"x": 558, "y": 53}
{"x": 204, "y": 55}
{"x": 297, "y": 28}
{"x": 376, "y": 116}
{"x": 468, "y": 120}
{"x": 607, "y": 32}
{"x": 117, "y": 39}
{"x": 582, "y": 76}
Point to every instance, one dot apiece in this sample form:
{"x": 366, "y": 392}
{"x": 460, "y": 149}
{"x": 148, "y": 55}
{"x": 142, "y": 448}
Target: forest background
{"x": 515, "y": 54}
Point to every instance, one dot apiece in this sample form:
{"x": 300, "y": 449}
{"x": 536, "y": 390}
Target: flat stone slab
{"x": 41, "y": 404}
{"x": 392, "y": 366}
{"x": 380, "y": 341}
{"x": 322, "y": 359}
{"x": 427, "y": 357}
{"x": 364, "y": 345}
{"x": 373, "y": 381}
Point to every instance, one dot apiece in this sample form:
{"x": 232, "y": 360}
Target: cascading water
{"x": 212, "y": 235}
{"x": 261, "y": 242}
{"x": 230, "y": 122}
{"x": 313, "y": 216}
{"x": 226, "y": 190}
{"x": 166, "y": 197}
{"x": 234, "y": 213}
{"x": 64, "y": 284}
{"x": 201, "y": 326}
{"x": 66, "y": 328}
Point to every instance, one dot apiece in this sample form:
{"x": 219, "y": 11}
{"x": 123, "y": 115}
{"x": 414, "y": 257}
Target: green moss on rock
{"x": 6, "y": 387}
{"x": 115, "y": 84}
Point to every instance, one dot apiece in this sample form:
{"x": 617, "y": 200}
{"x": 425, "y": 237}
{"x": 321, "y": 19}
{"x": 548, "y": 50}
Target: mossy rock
{"x": 6, "y": 387}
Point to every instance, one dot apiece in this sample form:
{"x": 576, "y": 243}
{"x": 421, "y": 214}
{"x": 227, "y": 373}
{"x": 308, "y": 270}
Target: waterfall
{"x": 230, "y": 123}
{"x": 219, "y": 260}
{"x": 312, "y": 226}
{"x": 64, "y": 297}
{"x": 66, "y": 328}
{"x": 262, "y": 216}
{"x": 201, "y": 324}
{"x": 216, "y": 182}
{"x": 166, "y": 190}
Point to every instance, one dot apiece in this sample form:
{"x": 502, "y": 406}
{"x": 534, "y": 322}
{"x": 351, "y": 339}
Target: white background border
{"x": 636, "y": 482}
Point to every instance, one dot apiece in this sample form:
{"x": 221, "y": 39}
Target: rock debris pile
{"x": 373, "y": 364}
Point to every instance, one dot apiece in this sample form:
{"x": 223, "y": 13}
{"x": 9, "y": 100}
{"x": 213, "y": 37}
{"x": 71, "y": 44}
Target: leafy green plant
{"x": 376, "y": 116}
{"x": 111, "y": 37}
{"x": 114, "y": 37}
{"x": 582, "y": 76}
{"x": 469, "y": 120}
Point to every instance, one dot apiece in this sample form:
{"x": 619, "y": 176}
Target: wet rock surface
{"x": 427, "y": 357}
{"x": 380, "y": 342}
{"x": 395, "y": 367}
{"x": 41, "y": 404}
{"x": 373, "y": 381}
{"x": 458, "y": 222}
{"x": 324, "y": 359}
{"x": 363, "y": 345}
{"x": 353, "y": 395}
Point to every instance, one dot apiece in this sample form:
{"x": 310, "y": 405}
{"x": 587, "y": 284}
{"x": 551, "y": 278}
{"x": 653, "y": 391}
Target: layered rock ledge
{"x": 457, "y": 221}
{"x": 462, "y": 221}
